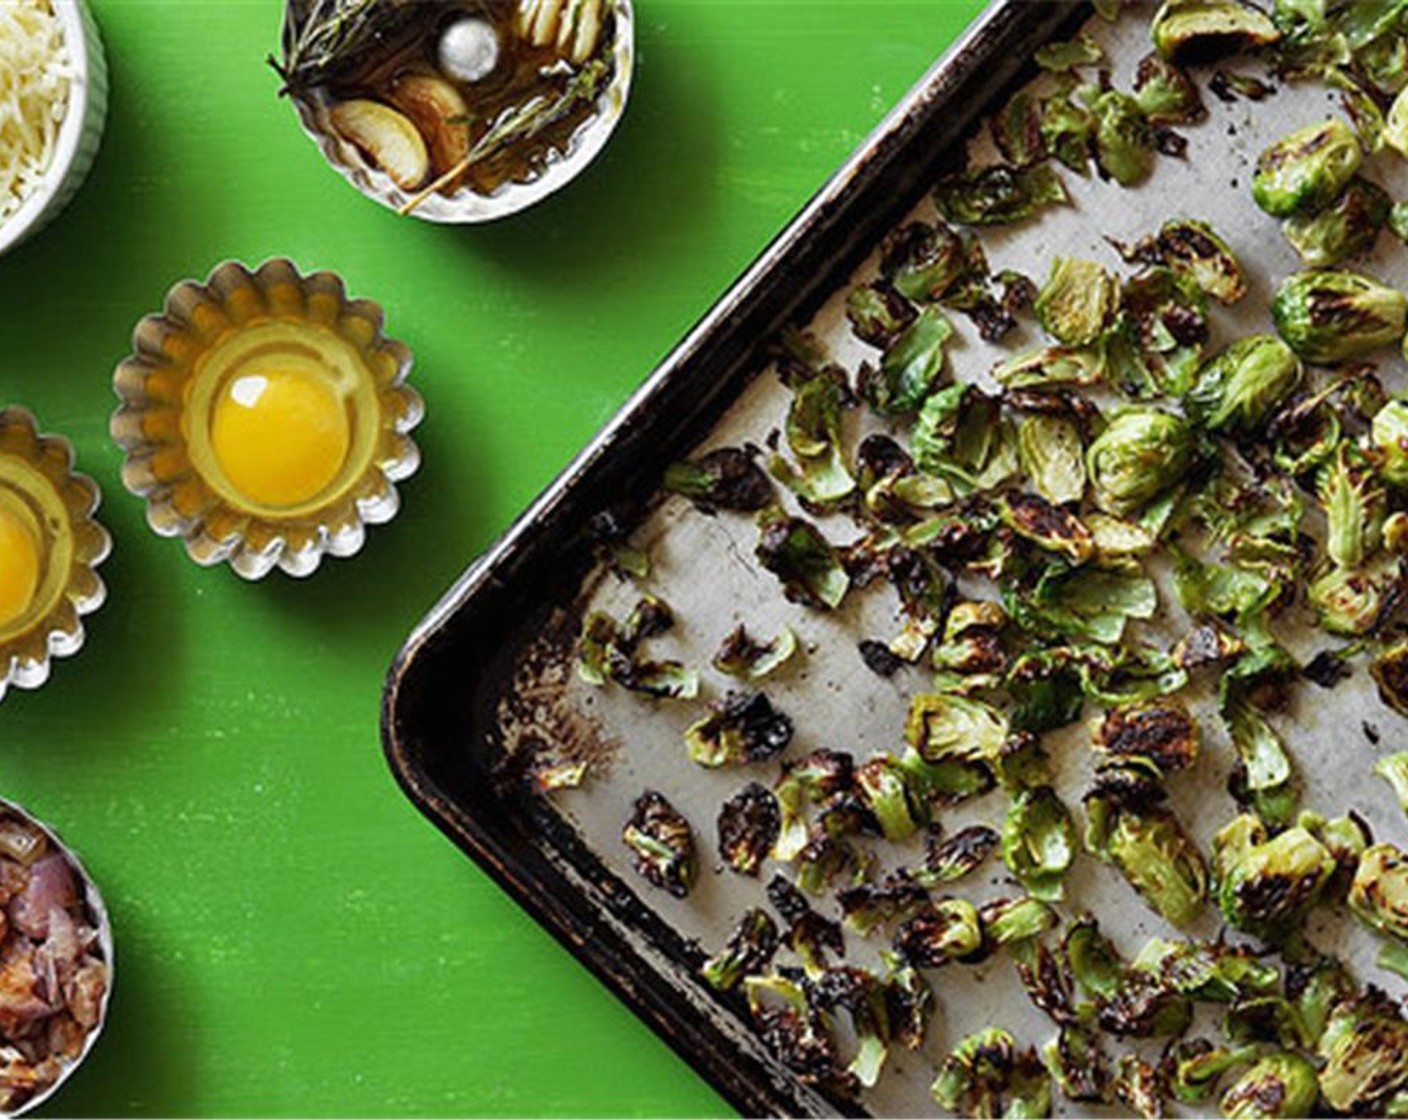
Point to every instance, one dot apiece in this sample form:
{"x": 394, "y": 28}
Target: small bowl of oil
{"x": 50, "y": 549}
{"x": 266, "y": 418}
{"x": 460, "y": 111}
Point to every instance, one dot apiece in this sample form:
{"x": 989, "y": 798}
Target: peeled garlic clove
{"x": 588, "y": 31}
{"x": 439, "y": 113}
{"x": 388, "y": 139}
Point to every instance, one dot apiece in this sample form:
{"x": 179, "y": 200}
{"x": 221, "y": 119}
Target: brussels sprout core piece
{"x": 1201, "y": 30}
{"x": 1304, "y": 172}
{"x": 1237, "y": 389}
{"x": 1141, "y": 454}
{"x": 1077, "y": 301}
{"x": 1331, "y": 316}
{"x": 1389, "y": 433}
{"x": 1281, "y": 1084}
{"x": 1379, "y": 894}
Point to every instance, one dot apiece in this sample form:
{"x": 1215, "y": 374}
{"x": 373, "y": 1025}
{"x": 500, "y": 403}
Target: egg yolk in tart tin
{"x": 36, "y": 546}
{"x": 281, "y": 417}
{"x": 19, "y": 566}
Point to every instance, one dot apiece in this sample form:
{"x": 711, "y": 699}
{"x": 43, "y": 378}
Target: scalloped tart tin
{"x": 318, "y": 112}
{"x": 266, "y": 418}
{"x": 50, "y": 548}
{"x": 77, "y": 960}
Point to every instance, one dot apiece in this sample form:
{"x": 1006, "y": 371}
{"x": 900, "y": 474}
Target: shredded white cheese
{"x": 35, "y": 70}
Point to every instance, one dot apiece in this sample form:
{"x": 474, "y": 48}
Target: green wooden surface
{"x": 293, "y": 938}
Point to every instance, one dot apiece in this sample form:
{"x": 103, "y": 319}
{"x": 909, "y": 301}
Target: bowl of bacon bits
{"x": 55, "y": 961}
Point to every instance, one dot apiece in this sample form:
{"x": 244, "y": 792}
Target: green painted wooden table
{"x": 292, "y": 937}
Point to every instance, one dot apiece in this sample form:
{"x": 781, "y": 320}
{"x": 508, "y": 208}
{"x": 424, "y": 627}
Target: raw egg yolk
{"x": 281, "y": 437}
{"x": 19, "y": 567}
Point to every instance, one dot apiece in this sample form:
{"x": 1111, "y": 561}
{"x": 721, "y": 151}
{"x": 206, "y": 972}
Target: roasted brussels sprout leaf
{"x": 1345, "y": 228}
{"x": 1166, "y": 93}
{"x": 1142, "y": 453}
{"x": 911, "y": 366}
{"x": 1305, "y": 171}
{"x": 1138, "y": 1086}
{"x": 796, "y": 1032}
{"x": 809, "y": 935}
{"x": 749, "y": 824}
{"x": 957, "y": 856}
{"x": 1192, "y": 250}
{"x": 1148, "y": 845}
{"x": 1364, "y": 1049}
{"x": 1279, "y": 1084}
{"x": 878, "y": 313}
{"x": 1160, "y": 732}
{"x": 999, "y": 195}
{"x": 726, "y": 478}
{"x": 867, "y": 906}
{"x": 1390, "y": 672}
{"x": 749, "y": 951}
{"x": 1389, "y": 435}
{"x": 1333, "y": 316}
{"x": 795, "y": 551}
{"x": 1078, "y": 1064}
{"x": 1048, "y": 526}
{"x": 1077, "y": 302}
{"x": 1379, "y": 894}
{"x": 1238, "y": 388}
{"x": 987, "y": 1075}
{"x": 1039, "y": 842}
{"x": 743, "y": 727}
{"x": 947, "y": 929}
{"x": 1071, "y": 54}
{"x": 1052, "y": 456}
{"x": 1200, "y": 30}
{"x": 813, "y": 431}
{"x": 741, "y": 655}
{"x": 663, "y": 844}
{"x": 1008, "y": 921}
{"x": 1266, "y": 885}
{"x": 883, "y": 786}
{"x": 609, "y": 651}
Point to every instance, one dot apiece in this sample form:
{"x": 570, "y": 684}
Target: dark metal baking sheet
{"x": 443, "y": 697}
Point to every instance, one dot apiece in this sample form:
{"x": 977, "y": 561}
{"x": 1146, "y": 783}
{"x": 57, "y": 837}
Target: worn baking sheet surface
{"x": 704, "y": 568}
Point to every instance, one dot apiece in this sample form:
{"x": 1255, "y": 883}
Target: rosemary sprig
{"x": 520, "y": 123}
{"x": 332, "y": 35}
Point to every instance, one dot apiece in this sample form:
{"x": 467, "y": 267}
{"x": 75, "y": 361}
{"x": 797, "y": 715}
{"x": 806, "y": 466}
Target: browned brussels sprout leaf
{"x": 749, "y": 951}
{"x": 1345, "y": 228}
{"x": 742, "y": 655}
{"x": 878, "y": 314}
{"x": 987, "y": 1075}
{"x": 1191, "y": 31}
{"x": 726, "y": 478}
{"x": 946, "y": 930}
{"x": 957, "y": 856}
{"x": 749, "y": 824}
{"x": 742, "y": 727}
{"x": 609, "y": 651}
{"x": 999, "y": 195}
{"x": 663, "y": 844}
{"x": 795, "y": 551}
{"x": 1364, "y": 1049}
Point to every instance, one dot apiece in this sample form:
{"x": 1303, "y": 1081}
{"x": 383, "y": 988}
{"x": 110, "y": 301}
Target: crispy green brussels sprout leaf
{"x": 1279, "y": 1084}
{"x": 911, "y": 366}
{"x": 1166, "y": 94}
{"x": 1016, "y": 131}
{"x": 1139, "y": 1087}
{"x": 999, "y": 195}
{"x": 1210, "y": 972}
{"x": 1161, "y": 732}
{"x": 1266, "y": 886}
{"x": 1239, "y": 387}
{"x": 1142, "y": 453}
{"x": 610, "y": 651}
{"x": 1379, "y": 894}
{"x": 1304, "y": 172}
{"x": 1193, "y": 251}
{"x": 1052, "y": 527}
{"x": 1390, "y": 672}
{"x": 809, "y": 935}
{"x": 814, "y": 779}
{"x": 741, "y": 655}
{"x": 749, "y": 951}
{"x": 1089, "y": 604}
{"x": 878, "y": 313}
{"x": 1096, "y": 966}
{"x": 861, "y": 994}
{"x": 1151, "y": 850}
{"x": 663, "y": 844}
{"x": 1052, "y": 456}
{"x": 1351, "y": 601}
{"x": 868, "y": 905}
{"x": 909, "y": 1000}
{"x": 1049, "y": 366}
{"x": 796, "y": 1032}
{"x": 1071, "y": 54}
{"x": 946, "y": 930}
{"x": 1389, "y": 433}
{"x": 1201, "y": 30}
{"x": 986, "y": 1075}
{"x": 883, "y": 786}
{"x": 957, "y": 856}
{"x": 725, "y": 478}
{"x": 1078, "y": 1064}
{"x": 795, "y": 551}
{"x": 1077, "y": 302}
{"x": 1009, "y": 921}
{"x": 1039, "y": 842}
{"x": 1396, "y": 123}
{"x": 749, "y": 824}
{"x": 1354, "y": 509}
{"x": 945, "y": 726}
{"x": 1345, "y": 228}
{"x": 1365, "y": 1053}
{"x": 1193, "y": 1067}
{"x": 813, "y": 430}
{"x": 743, "y": 727}
{"x": 1124, "y": 139}
{"x": 1333, "y": 316}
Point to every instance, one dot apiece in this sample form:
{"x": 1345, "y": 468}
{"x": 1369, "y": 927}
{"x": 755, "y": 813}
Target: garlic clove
{"x": 440, "y": 114}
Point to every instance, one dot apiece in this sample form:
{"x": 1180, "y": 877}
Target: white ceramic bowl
{"x": 79, "y": 134}
{"x": 467, "y": 206}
